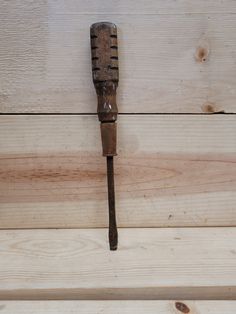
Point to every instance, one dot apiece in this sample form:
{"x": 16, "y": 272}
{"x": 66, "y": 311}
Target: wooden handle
{"x": 105, "y": 77}
{"x": 105, "y": 68}
{"x": 104, "y": 52}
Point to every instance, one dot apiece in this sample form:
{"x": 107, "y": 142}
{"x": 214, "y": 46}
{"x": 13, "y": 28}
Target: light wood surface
{"x": 175, "y": 56}
{"x": 170, "y": 171}
{"x": 117, "y": 307}
{"x": 198, "y": 263}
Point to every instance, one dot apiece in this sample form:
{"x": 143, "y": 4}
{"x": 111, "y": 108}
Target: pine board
{"x": 175, "y": 56}
{"x": 170, "y": 171}
{"x": 117, "y": 307}
{"x": 188, "y": 263}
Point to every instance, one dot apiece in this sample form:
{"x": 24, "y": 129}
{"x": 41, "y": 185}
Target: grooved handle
{"x": 104, "y": 51}
{"x": 105, "y": 68}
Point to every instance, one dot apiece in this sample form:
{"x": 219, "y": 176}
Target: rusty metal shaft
{"x": 113, "y": 234}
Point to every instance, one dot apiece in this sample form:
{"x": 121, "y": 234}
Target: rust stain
{"x": 182, "y": 307}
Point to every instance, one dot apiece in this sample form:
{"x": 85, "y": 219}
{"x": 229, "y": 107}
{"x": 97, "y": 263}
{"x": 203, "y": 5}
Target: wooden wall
{"x": 175, "y": 56}
{"x": 175, "y": 169}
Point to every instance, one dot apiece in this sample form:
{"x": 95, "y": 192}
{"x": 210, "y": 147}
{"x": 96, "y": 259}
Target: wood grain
{"x": 170, "y": 171}
{"x": 197, "y": 263}
{"x": 175, "y": 56}
{"x": 118, "y": 307}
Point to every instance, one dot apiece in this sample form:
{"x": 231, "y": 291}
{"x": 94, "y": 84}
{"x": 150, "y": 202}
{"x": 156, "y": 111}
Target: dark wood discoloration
{"x": 208, "y": 107}
{"x": 182, "y": 307}
{"x": 202, "y": 53}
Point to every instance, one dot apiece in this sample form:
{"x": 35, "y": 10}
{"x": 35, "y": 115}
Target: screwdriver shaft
{"x": 113, "y": 234}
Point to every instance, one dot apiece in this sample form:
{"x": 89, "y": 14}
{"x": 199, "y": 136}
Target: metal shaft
{"x": 113, "y": 234}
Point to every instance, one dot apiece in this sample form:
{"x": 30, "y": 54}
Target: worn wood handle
{"x": 104, "y": 52}
{"x": 105, "y": 68}
{"x": 105, "y": 77}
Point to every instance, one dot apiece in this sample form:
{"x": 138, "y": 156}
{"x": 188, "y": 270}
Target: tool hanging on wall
{"x": 105, "y": 77}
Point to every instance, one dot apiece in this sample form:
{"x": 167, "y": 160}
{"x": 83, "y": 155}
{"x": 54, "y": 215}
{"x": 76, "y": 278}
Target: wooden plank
{"x": 139, "y": 7}
{"x": 175, "y": 56}
{"x": 170, "y": 171}
{"x": 117, "y": 307}
{"x": 159, "y": 263}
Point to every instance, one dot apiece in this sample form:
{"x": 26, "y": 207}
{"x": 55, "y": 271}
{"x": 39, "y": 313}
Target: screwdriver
{"x": 104, "y": 52}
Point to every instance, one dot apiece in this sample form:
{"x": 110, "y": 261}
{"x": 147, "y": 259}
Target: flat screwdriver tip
{"x": 113, "y": 234}
{"x": 113, "y": 239}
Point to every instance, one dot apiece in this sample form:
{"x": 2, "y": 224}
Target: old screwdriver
{"x": 104, "y": 51}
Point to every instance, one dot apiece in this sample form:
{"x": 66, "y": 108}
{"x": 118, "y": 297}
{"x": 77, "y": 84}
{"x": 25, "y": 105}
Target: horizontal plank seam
{"x": 105, "y": 228}
{"x": 143, "y": 14}
{"x": 96, "y": 294}
{"x": 121, "y": 114}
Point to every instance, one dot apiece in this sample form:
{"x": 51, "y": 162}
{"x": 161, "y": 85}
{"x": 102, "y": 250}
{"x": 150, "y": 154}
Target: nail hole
{"x": 93, "y": 36}
{"x": 96, "y": 69}
{"x": 113, "y": 47}
{"x": 94, "y": 58}
{"x": 114, "y": 68}
{"x": 113, "y": 36}
{"x": 114, "y": 58}
{"x": 94, "y": 47}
